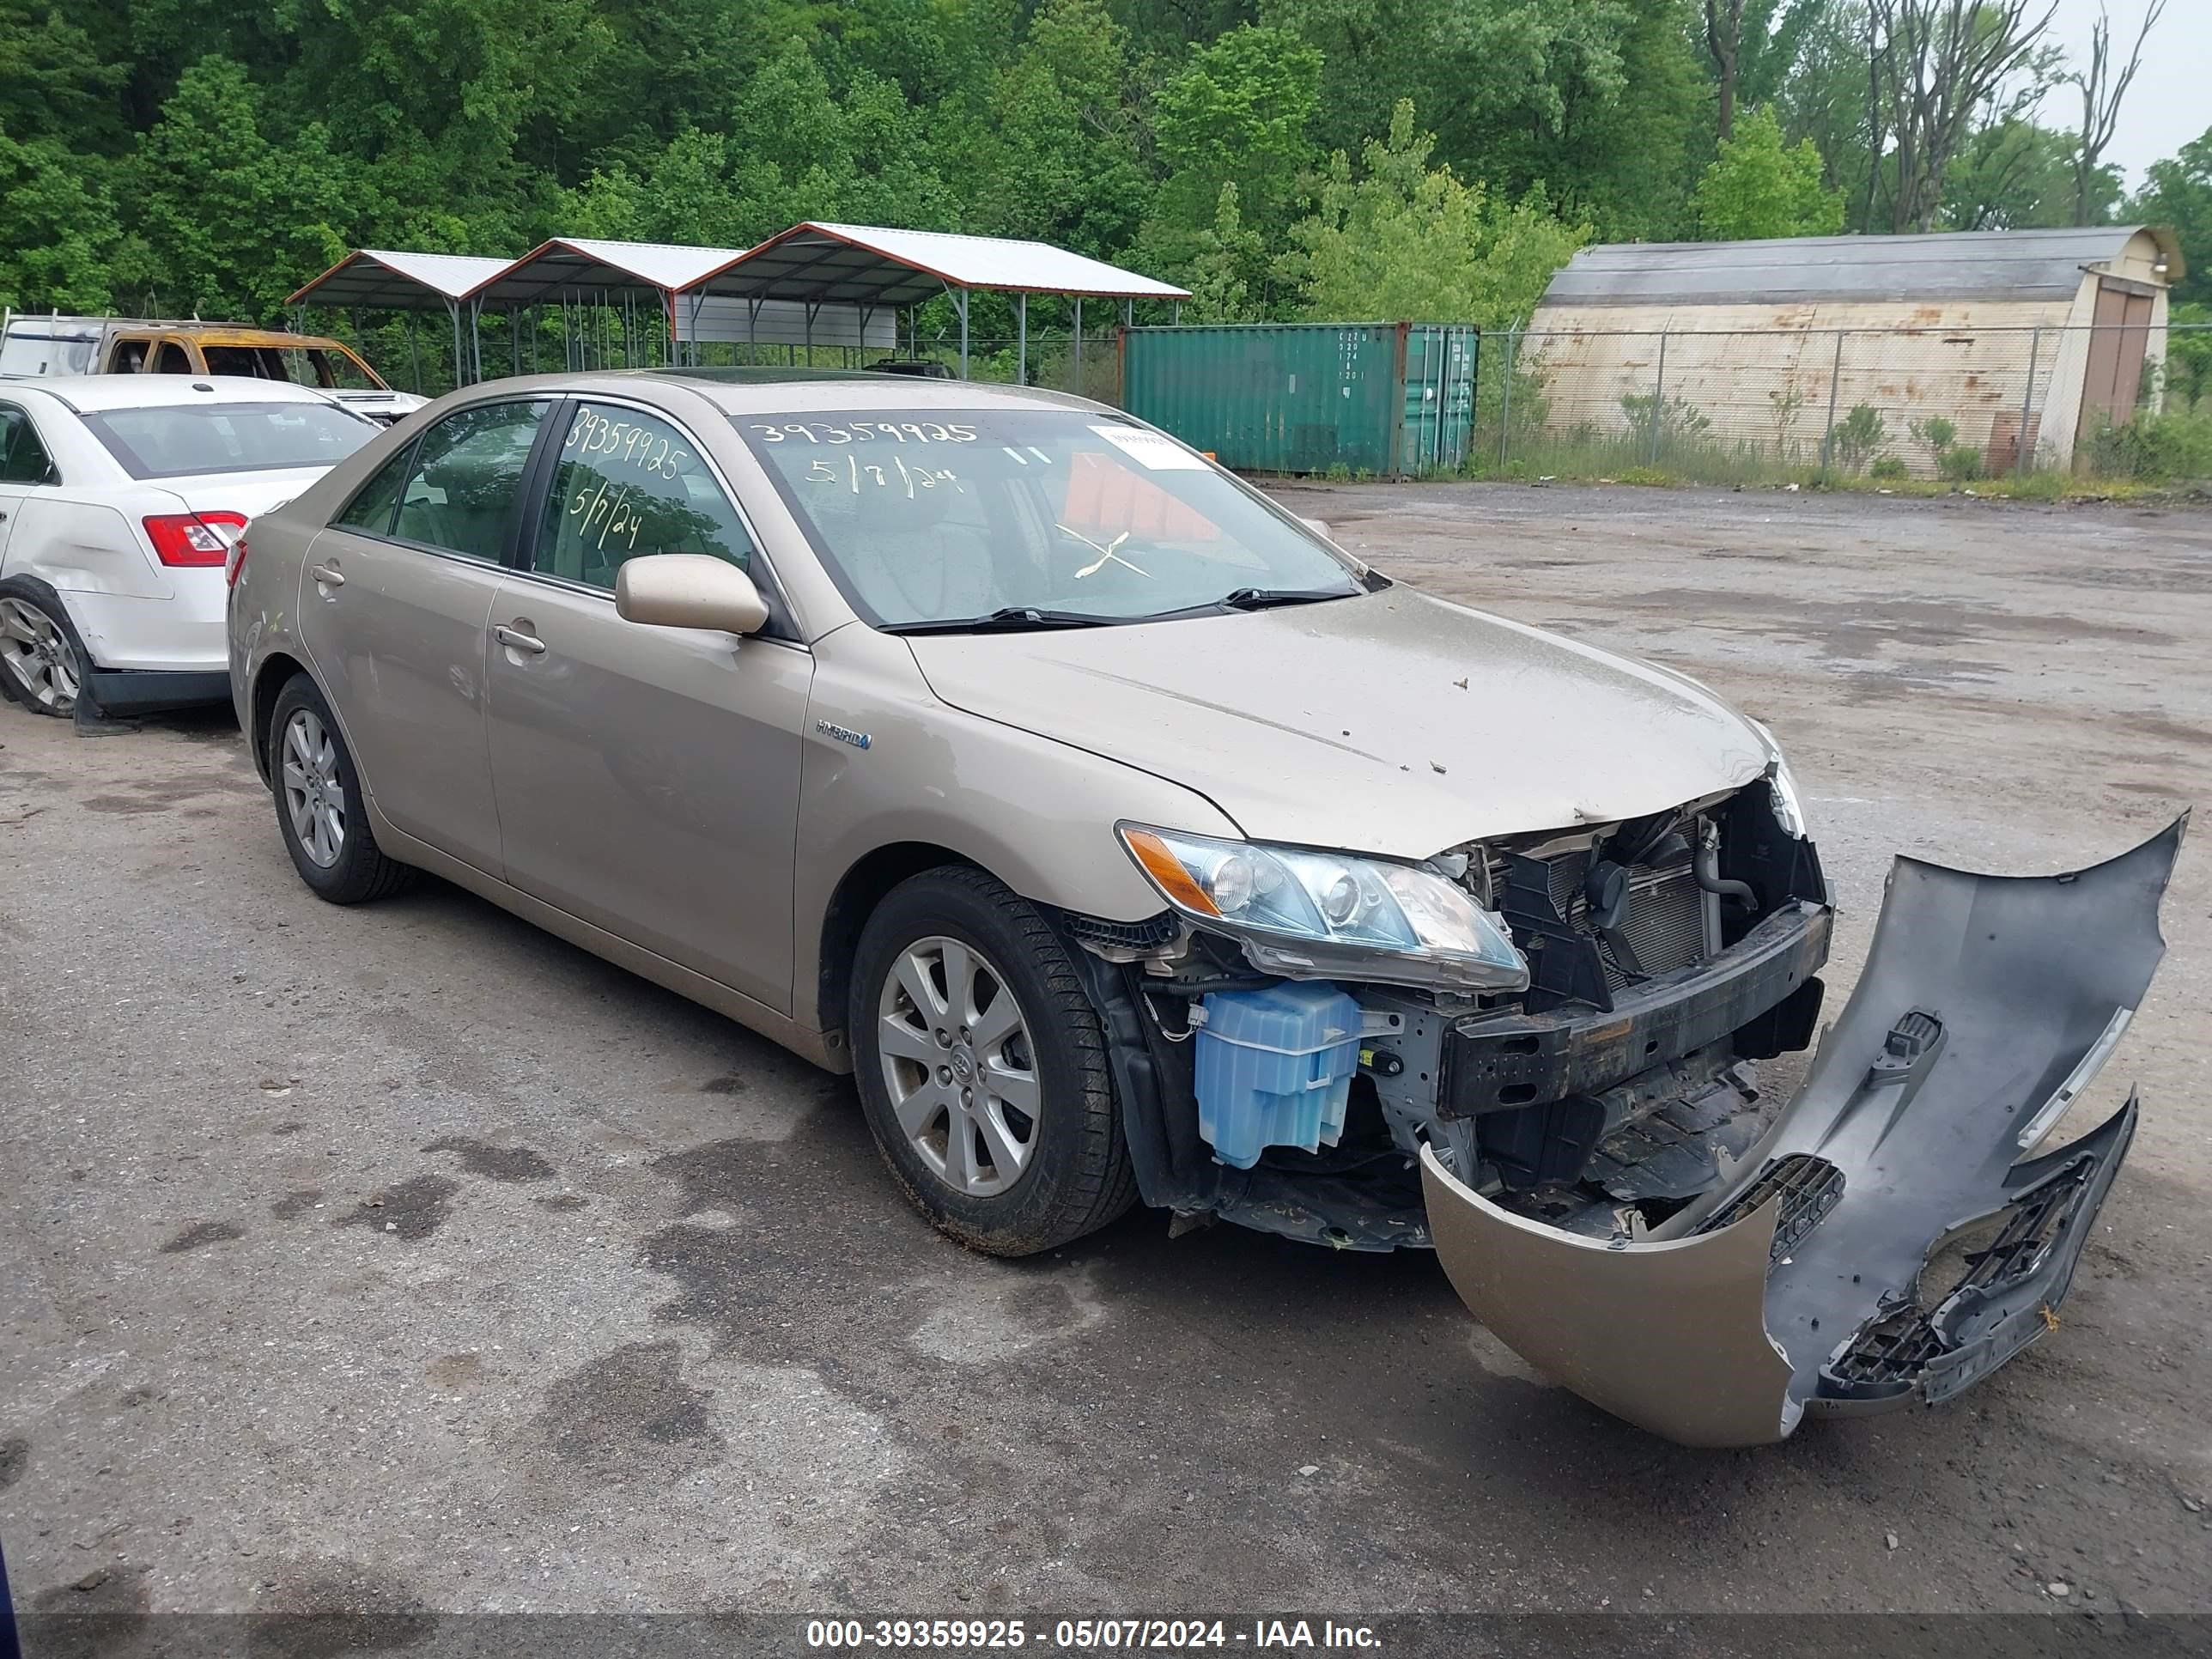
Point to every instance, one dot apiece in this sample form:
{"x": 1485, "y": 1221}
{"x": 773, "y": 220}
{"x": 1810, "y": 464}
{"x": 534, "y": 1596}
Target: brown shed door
{"x": 2116, "y": 348}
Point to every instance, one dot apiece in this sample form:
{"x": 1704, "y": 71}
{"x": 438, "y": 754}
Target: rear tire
{"x": 42, "y": 662}
{"x": 319, "y": 802}
{"x": 981, "y": 1067}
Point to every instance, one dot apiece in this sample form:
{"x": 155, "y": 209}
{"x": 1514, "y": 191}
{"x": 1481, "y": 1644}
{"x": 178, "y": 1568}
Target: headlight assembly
{"x": 1306, "y": 913}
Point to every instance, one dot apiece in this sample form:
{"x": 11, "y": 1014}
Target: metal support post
{"x": 960, "y": 299}
{"x": 2021, "y": 447}
{"x": 1835, "y": 387}
{"x": 1658, "y": 401}
{"x": 1022, "y": 340}
{"x": 1506, "y": 400}
{"x": 1078, "y": 387}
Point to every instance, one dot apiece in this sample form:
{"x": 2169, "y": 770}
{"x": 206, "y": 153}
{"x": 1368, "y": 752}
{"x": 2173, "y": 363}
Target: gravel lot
{"x": 405, "y": 1260}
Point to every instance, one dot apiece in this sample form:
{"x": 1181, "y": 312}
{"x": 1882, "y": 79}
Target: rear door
{"x": 647, "y": 778}
{"x": 23, "y": 468}
{"x": 395, "y": 606}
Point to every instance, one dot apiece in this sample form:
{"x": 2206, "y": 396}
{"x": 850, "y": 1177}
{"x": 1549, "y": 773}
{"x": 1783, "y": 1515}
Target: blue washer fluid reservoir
{"x": 1274, "y": 1068}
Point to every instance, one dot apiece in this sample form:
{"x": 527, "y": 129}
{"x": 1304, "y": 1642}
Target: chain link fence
{"x": 1743, "y": 406}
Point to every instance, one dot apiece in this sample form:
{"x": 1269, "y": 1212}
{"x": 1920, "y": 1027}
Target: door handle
{"x": 515, "y": 640}
{"x": 328, "y": 574}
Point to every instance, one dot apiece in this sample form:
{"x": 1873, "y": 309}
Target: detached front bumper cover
{"x": 1794, "y": 1285}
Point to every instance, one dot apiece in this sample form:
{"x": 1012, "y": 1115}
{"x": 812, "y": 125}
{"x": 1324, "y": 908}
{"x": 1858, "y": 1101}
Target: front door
{"x": 2117, "y": 346}
{"x": 647, "y": 778}
{"x": 395, "y": 608}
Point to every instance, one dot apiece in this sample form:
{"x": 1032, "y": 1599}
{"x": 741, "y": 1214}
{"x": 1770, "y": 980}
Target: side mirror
{"x": 1319, "y": 527}
{"x": 689, "y": 590}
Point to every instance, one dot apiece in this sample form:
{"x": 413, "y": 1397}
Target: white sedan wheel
{"x": 38, "y": 658}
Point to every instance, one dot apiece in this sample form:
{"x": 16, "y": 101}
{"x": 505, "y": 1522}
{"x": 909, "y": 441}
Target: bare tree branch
{"x": 1941, "y": 59}
{"x": 2101, "y": 93}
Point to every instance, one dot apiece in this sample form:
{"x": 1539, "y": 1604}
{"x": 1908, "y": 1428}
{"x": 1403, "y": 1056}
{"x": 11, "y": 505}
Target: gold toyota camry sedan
{"x": 1127, "y": 839}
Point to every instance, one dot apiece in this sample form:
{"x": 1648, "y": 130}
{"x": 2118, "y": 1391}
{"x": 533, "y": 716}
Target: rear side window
{"x": 371, "y": 510}
{"x": 22, "y": 457}
{"x": 173, "y": 360}
{"x": 629, "y": 484}
{"x": 258, "y": 361}
{"x": 459, "y": 494}
{"x": 180, "y": 440}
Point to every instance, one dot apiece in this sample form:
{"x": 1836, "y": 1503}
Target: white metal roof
{"x": 871, "y": 264}
{"x": 814, "y": 262}
{"x": 1787, "y": 270}
{"x": 591, "y": 266}
{"x": 387, "y": 279}
{"x": 87, "y": 393}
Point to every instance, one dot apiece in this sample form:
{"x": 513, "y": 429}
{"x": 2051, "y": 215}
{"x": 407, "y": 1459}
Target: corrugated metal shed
{"x": 1991, "y": 264}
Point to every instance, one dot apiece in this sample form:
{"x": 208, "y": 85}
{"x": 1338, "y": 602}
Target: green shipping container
{"x": 1388, "y": 398}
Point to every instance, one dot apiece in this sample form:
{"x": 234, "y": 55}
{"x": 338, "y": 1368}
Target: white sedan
{"x": 121, "y": 497}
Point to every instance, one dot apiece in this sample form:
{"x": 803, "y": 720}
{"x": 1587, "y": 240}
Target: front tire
{"x": 981, "y": 1067}
{"x": 319, "y": 810}
{"x": 42, "y": 663}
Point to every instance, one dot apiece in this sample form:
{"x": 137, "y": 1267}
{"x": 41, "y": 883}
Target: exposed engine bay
{"x": 1590, "y": 1151}
{"x": 1659, "y": 952}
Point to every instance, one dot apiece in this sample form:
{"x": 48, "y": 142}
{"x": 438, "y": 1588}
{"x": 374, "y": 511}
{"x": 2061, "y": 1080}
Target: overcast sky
{"x": 2168, "y": 105}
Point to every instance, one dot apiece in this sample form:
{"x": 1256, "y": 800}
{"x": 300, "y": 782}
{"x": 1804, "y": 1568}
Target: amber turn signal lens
{"x": 1165, "y": 869}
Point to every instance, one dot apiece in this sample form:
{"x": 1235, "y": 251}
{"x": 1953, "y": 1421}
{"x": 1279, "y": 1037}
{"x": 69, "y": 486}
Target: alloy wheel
{"x": 959, "y": 1064}
{"x": 37, "y": 657}
{"x": 314, "y": 799}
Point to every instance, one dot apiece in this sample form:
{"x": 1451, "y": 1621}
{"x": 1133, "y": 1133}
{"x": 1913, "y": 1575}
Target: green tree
{"x": 236, "y": 220}
{"x": 59, "y": 237}
{"x": 1060, "y": 162}
{"x": 1404, "y": 241}
{"x": 1752, "y": 45}
{"x": 2016, "y": 175}
{"x": 1759, "y": 186}
{"x": 2177, "y": 192}
{"x": 1228, "y": 274}
{"x": 53, "y": 83}
{"x": 1239, "y": 111}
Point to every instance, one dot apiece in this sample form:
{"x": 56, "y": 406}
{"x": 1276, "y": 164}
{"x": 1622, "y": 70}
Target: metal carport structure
{"x": 383, "y": 279}
{"x": 576, "y": 271}
{"x": 871, "y": 267}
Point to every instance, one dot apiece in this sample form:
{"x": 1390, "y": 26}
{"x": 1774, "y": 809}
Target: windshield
{"x": 181, "y": 439}
{"x": 945, "y": 515}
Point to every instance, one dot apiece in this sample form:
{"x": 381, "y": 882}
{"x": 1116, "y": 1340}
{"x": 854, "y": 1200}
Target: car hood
{"x": 1390, "y": 723}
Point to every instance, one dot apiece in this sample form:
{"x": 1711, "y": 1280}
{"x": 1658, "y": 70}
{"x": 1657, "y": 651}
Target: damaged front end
{"x": 1557, "y": 1101}
{"x": 1564, "y": 1034}
{"x": 1880, "y": 1244}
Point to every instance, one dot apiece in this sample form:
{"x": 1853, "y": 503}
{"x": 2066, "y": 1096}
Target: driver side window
{"x": 628, "y": 485}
